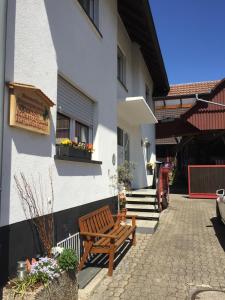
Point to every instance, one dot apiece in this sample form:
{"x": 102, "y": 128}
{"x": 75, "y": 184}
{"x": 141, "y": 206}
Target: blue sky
{"x": 191, "y": 34}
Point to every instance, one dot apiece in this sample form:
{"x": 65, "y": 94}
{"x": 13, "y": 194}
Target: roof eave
{"x": 206, "y": 95}
{"x": 138, "y": 20}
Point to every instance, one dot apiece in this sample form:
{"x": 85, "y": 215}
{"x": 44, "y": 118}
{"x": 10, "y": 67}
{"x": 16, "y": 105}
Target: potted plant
{"x": 125, "y": 174}
{"x": 47, "y": 278}
{"x": 150, "y": 167}
{"x": 125, "y": 177}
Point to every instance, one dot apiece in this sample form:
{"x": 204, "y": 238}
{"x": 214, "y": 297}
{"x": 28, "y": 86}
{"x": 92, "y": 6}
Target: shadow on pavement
{"x": 219, "y": 231}
{"x": 97, "y": 262}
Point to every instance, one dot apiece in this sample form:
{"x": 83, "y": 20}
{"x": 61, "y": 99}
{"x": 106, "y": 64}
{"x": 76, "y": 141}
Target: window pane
{"x": 86, "y": 5}
{"x": 91, "y": 9}
{"x": 82, "y": 133}
{"x": 62, "y": 126}
{"x": 148, "y": 153}
{"x": 126, "y": 147}
{"x": 121, "y": 66}
{"x": 119, "y": 136}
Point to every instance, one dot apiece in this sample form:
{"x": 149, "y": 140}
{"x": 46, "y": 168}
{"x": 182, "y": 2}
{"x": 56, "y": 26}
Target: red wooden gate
{"x": 204, "y": 180}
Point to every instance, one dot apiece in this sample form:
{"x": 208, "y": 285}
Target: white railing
{"x": 73, "y": 242}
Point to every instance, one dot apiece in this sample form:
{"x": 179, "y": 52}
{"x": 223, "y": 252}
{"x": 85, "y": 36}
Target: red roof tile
{"x": 192, "y": 88}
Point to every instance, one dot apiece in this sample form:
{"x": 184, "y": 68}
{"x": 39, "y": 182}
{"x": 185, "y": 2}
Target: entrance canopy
{"x": 135, "y": 111}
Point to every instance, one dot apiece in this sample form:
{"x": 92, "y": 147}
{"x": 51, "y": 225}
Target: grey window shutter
{"x": 74, "y": 103}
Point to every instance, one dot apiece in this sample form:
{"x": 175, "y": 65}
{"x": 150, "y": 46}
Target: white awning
{"x": 136, "y": 111}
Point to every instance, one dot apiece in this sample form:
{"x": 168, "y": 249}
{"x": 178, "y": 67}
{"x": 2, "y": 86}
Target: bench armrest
{"x": 95, "y": 234}
{"x": 133, "y": 219}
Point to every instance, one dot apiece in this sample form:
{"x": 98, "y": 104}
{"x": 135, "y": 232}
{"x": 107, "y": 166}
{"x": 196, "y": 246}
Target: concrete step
{"x": 144, "y": 215}
{"x": 148, "y": 200}
{"x": 141, "y": 206}
{"x": 143, "y": 192}
{"x": 145, "y": 226}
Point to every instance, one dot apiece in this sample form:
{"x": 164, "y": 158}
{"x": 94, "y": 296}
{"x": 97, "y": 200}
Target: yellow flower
{"x": 66, "y": 142}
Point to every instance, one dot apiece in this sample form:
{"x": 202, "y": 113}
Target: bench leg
{"x": 111, "y": 262}
{"x": 87, "y": 249}
{"x": 134, "y": 238}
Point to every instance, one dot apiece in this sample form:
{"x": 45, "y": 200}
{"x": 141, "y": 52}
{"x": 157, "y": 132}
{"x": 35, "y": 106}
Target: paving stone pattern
{"x": 182, "y": 254}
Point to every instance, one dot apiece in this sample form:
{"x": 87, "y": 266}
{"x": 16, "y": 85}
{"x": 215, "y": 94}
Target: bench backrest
{"x": 98, "y": 221}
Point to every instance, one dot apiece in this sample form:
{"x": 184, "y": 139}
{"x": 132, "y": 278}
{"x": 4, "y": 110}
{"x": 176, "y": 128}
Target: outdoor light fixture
{"x": 21, "y": 270}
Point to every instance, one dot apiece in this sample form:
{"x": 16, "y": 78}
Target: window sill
{"x": 92, "y": 23}
{"x": 76, "y": 159}
{"x": 123, "y": 85}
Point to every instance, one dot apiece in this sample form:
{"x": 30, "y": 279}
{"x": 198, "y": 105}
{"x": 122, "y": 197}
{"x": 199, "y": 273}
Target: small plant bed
{"x": 47, "y": 278}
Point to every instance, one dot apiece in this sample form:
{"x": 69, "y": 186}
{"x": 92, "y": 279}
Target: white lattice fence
{"x": 73, "y": 242}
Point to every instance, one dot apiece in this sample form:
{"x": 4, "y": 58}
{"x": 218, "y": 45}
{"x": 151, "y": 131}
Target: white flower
{"x": 57, "y": 250}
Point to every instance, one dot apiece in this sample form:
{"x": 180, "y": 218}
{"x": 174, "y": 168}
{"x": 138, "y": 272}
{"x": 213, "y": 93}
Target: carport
{"x": 197, "y": 130}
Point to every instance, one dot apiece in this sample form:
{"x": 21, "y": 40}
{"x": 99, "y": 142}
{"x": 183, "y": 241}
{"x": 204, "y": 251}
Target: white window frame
{"x": 93, "y": 12}
{"x": 73, "y": 128}
{"x": 121, "y": 72}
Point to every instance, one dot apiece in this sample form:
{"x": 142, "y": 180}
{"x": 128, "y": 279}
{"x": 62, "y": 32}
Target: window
{"x": 82, "y": 133}
{"x": 63, "y": 126}
{"x": 91, "y": 8}
{"x": 119, "y": 136}
{"x": 148, "y": 152}
{"x": 126, "y": 147}
{"x": 121, "y": 67}
{"x": 148, "y": 97}
{"x": 147, "y": 94}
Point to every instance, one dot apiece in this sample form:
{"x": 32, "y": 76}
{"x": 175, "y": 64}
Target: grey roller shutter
{"x": 73, "y": 103}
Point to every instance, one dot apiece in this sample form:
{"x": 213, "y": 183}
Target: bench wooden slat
{"x": 102, "y": 219}
{"x": 93, "y": 224}
{"x": 89, "y": 225}
{"x": 123, "y": 237}
{"x": 96, "y": 224}
{"x": 119, "y": 231}
{"x": 101, "y": 222}
{"x": 114, "y": 231}
{"x": 104, "y": 216}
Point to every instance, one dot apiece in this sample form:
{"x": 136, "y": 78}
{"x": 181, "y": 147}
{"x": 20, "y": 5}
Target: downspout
{"x": 209, "y": 102}
{"x": 3, "y": 20}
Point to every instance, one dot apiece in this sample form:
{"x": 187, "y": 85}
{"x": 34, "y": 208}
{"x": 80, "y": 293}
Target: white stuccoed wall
{"x": 50, "y": 37}
{"x": 136, "y": 79}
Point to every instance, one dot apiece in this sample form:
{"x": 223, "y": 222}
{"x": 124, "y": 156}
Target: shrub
{"x": 126, "y": 173}
{"x": 68, "y": 260}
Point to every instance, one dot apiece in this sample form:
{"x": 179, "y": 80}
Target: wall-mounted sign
{"x": 29, "y": 108}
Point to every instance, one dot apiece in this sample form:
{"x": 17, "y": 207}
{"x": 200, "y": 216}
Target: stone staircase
{"x": 143, "y": 203}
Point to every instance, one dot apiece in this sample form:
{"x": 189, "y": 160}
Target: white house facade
{"x": 99, "y": 62}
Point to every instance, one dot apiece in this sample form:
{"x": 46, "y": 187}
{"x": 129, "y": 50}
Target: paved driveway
{"x": 186, "y": 251}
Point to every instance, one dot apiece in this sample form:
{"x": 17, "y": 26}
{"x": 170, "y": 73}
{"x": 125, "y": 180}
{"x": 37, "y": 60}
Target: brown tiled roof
{"x": 192, "y": 88}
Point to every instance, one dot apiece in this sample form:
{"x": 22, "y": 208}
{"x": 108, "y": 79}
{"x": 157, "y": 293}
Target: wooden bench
{"x": 102, "y": 235}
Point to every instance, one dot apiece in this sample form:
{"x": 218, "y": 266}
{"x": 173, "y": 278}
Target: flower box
{"x": 64, "y": 287}
{"x": 70, "y": 151}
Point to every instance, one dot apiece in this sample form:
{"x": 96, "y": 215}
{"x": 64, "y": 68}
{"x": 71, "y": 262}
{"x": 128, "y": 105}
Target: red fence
{"x": 204, "y": 180}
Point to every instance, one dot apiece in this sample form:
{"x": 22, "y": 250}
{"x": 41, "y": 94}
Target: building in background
{"x": 191, "y": 131}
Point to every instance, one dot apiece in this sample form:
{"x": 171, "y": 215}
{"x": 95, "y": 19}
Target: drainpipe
{"x": 209, "y": 102}
{"x": 3, "y": 17}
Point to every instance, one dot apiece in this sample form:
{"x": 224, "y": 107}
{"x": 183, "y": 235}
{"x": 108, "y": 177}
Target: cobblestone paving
{"x": 183, "y": 253}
